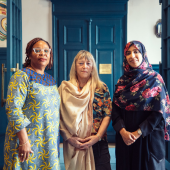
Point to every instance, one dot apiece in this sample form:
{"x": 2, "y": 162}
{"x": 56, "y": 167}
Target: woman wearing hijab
{"x": 85, "y": 115}
{"x": 140, "y": 113}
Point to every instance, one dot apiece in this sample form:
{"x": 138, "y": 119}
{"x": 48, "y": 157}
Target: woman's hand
{"x": 75, "y": 141}
{"x": 136, "y": 134}
{"x": 128, "y": 137}
{"x": 24, "y": 145}
{"x": 24, "y": 151}
{"x": 89, "y": 141}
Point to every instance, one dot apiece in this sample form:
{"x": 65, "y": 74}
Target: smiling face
{"x": 84, "y": 68}
{"x": 133, "y": 57}
{"x": 42, "y": 58}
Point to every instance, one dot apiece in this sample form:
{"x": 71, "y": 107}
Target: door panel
{"x": 106, "y": 48}
{"x": 4, "y": 122}
{"x": 72, "y": 39}
{"x": 2, "y": 109}
{"x": 106, "y": 57}
{"x": 14, "y": 38}
{"x": 68, "y": 60}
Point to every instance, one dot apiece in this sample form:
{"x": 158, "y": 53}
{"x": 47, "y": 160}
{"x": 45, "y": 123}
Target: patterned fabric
{"x": 33, "y": 103}
{"x": 102, "y": 106}
{"x": 45, "y": 79}
{"x": 142, "y": 88}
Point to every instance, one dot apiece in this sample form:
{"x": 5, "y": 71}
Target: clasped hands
{"x": 83, "y": 143}
{"x": 129, "y": 137}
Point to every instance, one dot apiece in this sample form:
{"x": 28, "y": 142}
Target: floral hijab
{"x": 142, "y": 89}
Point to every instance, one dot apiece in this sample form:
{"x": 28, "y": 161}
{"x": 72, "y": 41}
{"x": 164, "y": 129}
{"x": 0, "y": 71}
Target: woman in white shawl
{"x": 85, "y": 115}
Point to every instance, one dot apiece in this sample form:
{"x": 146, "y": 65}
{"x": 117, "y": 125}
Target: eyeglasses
{"x": 39, "y": 50}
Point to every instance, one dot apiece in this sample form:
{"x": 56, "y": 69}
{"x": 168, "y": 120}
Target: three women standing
{"x": 85, "y": 116}
{"x": 32, "y": 107}
{"x": 139, "y": 115}
{"x": 140, "y": 111}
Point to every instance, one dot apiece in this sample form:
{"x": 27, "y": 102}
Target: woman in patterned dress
{"x": 32, "y": 107}
{"x": 140, "y": 113}
{"x": 85, "y": 116}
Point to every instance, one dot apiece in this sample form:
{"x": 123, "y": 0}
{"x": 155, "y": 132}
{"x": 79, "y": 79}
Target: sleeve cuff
{"x": 119, "y": 125}
{"x": 19, "y": 127}
{"x": 145, "y": 128}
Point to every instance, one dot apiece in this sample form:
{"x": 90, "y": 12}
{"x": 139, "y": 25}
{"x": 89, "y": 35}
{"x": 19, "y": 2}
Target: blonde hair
{"x": 87, "y": 55}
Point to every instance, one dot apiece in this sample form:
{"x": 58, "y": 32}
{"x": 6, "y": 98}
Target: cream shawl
{"x": 76, "y": 120}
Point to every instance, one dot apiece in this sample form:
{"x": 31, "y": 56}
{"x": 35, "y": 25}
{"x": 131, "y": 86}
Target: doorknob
{"x": 3, "y": 101}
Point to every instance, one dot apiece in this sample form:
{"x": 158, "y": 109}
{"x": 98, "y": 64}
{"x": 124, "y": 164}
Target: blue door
{"x": 72, "y": 39}
{"x": 106, "y": 46}
{"x": 100, "y": 36}
{"x": 11, "y": 61}
{"x": 165, "y": 66}
{"x": 96, "y": 26}
{"x": 107, "y": 49}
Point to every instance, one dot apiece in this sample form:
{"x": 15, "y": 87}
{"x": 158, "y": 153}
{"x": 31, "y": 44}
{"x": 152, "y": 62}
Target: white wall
{"x": 142, "y": 17}
{"x": 36, "y": 21}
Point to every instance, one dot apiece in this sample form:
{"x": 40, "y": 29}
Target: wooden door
{"x": 72, "y": 39}
{"x": 102, "y": 37}
{"x": 106, "y": 47}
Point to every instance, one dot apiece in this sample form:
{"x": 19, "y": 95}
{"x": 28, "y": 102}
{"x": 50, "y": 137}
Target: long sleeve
{"x": 16, "y": 95}
{"x": 117, "y": 121}
{"x": 150, "y": 123}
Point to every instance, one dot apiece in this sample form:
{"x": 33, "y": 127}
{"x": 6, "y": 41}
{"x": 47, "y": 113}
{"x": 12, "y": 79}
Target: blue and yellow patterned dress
{"x": 33, "y": 103}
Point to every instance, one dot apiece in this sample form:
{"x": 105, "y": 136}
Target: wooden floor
{"x": 112, "y": 155}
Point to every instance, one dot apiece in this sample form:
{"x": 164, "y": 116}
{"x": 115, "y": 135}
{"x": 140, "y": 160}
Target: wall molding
{"x": 102, "y": 7}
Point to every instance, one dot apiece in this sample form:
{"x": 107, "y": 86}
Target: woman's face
{"x": 84, "y": 68}
{"x": 134, "y": 57}
{"x": 40, "y": 55}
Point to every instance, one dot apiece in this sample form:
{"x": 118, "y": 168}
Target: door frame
{"x": 71, "y": 8}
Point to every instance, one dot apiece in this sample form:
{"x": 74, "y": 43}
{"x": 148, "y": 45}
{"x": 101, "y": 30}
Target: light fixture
{"x": 158, "y": 28}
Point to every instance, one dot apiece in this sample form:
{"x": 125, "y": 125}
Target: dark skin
{"x": 38, "y": 64}
{"x": 25, "y": 149}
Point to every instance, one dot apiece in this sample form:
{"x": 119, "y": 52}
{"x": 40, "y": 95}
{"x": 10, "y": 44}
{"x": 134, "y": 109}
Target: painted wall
{"x": 142, "y": 17}
{"x": 3, "y": 23}
{"x": 36, "y": 21}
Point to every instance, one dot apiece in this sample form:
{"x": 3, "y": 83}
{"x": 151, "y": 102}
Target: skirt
{"x": 101, "y": 155}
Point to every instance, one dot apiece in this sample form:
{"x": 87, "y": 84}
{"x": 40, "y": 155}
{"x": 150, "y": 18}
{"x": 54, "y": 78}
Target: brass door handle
{"x": 15, "y": 69}
{"x": 3, "y": 101}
